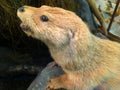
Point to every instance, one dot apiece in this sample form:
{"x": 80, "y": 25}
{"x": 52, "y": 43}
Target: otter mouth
{"x": 25, "y": 27}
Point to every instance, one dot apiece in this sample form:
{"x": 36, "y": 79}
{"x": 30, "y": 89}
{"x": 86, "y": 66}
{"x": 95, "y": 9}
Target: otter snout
{"x": 21, "y": 9}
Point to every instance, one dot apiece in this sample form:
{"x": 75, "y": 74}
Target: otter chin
{"x": 25, "y": 27}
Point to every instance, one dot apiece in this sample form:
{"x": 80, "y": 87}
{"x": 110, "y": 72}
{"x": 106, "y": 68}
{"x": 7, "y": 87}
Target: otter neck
{"x": 75, "y": 56}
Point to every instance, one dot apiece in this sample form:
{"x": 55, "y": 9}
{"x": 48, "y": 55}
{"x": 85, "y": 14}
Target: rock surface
{"x": 43, "y": 77}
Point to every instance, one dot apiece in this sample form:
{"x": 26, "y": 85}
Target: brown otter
{"x": 87, "y": 60}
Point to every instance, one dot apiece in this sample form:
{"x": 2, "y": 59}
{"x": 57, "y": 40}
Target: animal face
{"x": 52, "y": 25}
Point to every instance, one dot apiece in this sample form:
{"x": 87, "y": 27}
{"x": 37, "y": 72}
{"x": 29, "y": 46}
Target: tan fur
{"x": 88, "y": 61}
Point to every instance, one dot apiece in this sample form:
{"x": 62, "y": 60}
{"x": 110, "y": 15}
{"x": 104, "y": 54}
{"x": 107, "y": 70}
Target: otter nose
{"x": 21, "y": 9}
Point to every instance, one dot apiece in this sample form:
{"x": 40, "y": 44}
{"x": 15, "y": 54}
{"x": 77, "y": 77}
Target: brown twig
{"x": 111, "y": 21}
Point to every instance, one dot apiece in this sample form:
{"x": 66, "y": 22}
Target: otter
{"x": 88, "y": 61}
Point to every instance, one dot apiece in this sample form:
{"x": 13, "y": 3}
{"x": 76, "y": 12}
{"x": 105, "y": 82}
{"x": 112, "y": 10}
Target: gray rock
{"x": 44, "y": 76}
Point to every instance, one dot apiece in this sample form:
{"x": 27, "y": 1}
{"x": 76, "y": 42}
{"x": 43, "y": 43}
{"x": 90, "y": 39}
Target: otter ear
{"x": 71, "y": 42}
{"x": 70, "y": 34}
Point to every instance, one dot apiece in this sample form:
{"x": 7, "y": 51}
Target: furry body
{"x": 88, "y": 61}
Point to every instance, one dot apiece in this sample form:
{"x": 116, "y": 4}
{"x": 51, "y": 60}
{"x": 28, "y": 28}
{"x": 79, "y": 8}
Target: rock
{"x": 43, "y": 77}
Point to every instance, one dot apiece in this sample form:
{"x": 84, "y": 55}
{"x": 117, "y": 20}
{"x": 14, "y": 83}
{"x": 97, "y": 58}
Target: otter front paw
{"x": 62, "y": 82}
{"x": 53, "y": 84}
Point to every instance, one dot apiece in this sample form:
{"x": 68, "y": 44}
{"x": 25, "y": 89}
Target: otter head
{"x": 54, "y": 26}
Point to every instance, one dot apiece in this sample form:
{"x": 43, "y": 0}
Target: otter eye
{"x": 44, "y": 18}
